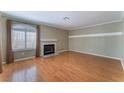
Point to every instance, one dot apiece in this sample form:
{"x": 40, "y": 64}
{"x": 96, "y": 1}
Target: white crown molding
{"x": 89, "y": 26}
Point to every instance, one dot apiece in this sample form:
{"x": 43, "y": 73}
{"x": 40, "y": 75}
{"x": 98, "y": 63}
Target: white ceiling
{"x": 77, "y": 18}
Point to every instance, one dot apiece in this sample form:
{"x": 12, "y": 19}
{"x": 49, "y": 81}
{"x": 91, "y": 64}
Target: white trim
{"x": 97, "y": 35}
{"x": 48, "y": 40}
{"x": 116, "y": 58}
{"x": 50, "y": 55}
{"x": 46, "y": 43}
{"x": 21, "y": 59}
{"x": 61, "y": 51}
{"x": 122, "y": 63}
{"x": 89, "y": 26}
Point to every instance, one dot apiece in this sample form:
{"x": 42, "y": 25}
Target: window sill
{"x": 21, "y": 50}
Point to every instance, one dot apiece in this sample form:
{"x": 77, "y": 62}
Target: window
{"x": 23, "y": 36}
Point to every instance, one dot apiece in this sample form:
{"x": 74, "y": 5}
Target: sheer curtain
{"x": 23, "y": 36}
{"x": 26, "y": 37}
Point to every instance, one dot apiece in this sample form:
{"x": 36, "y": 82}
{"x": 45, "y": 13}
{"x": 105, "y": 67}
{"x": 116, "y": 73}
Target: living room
{"x": 61, "y": 46}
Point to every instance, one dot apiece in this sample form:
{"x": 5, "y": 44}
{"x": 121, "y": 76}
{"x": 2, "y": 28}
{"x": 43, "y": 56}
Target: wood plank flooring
{"x": 66, "y": 67}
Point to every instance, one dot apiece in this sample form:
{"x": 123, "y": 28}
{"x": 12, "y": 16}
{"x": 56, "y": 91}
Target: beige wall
{"x": 53, "y": 33}
{"x": 0, "y": 32}
{"x": 123, "y": 45}
{"x": 3, "y": 20}
{"x": 46, "y": 33}
{"x": 103, "y": 45}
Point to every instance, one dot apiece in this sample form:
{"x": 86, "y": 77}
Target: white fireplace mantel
{"x": 49, "y": 40}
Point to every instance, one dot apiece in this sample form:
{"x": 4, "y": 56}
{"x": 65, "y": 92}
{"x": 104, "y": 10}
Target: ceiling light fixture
{"x": 66, "y": 18}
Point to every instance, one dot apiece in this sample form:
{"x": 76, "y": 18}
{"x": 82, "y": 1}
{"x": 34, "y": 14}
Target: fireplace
{"x": 48, "y": 49}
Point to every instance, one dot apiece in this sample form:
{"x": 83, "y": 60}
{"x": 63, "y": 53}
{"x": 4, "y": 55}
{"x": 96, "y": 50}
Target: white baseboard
{"x": 21, "y": 59}
{"x": 122, "y": 63}
{"x": 50, "y": 55}
{"x": 61, "y": 51}
{"x": 120, "y": 60}
{"x": 116, "y": 58}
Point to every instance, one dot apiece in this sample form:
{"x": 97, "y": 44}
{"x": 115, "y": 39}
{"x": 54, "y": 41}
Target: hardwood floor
{"x": 67, "y": 67}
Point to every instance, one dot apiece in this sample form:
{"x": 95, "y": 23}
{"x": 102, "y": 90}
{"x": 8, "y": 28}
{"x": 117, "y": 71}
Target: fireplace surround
{"x": 48, "y": 47}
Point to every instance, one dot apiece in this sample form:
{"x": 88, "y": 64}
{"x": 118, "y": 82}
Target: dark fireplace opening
{"x": 49, "y": 49}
